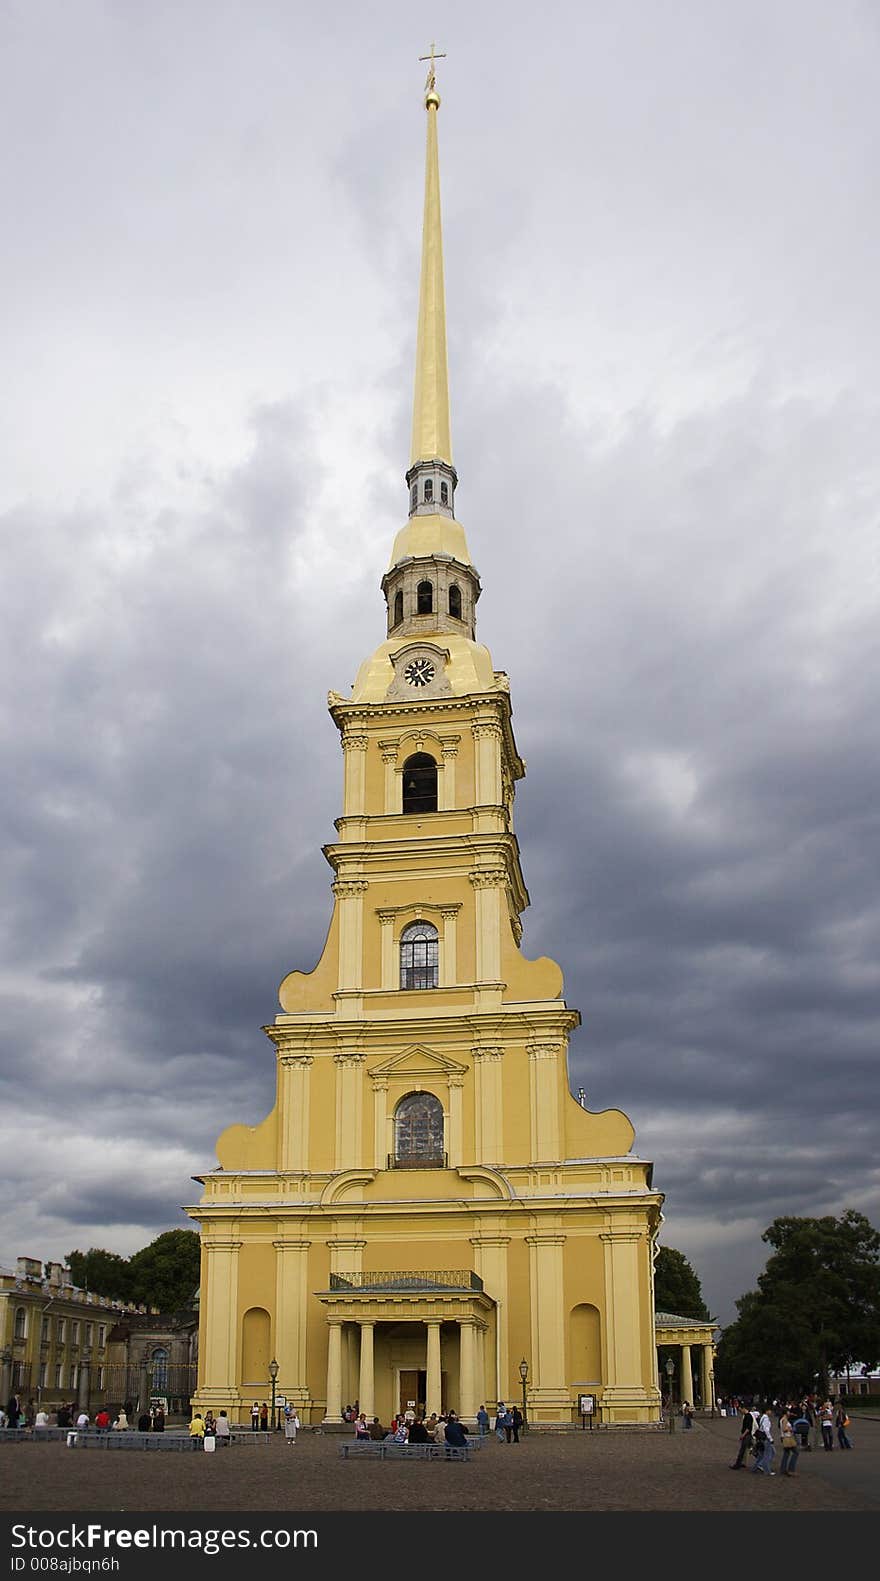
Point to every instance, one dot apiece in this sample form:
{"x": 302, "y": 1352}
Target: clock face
{"x": 419, "y": 672}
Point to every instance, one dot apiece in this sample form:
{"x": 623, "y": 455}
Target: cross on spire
{"x": 429, "y": 80}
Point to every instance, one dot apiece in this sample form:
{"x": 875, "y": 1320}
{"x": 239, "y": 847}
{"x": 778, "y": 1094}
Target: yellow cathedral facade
{"x": 427, "y": 1206}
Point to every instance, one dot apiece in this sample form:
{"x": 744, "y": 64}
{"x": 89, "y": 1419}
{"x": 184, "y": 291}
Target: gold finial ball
{"x": 432, "y": 97}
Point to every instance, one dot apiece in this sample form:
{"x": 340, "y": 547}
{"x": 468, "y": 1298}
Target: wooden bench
{"x": 381, "y": 1449}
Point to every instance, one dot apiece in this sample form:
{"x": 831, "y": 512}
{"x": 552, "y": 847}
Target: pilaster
{"x": 293, "y": 1098}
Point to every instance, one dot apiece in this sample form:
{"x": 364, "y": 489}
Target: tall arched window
{"x": 425, "y": 598}
{"x": 418, "y": 1132}
{"x": 444, "y": 493}
{"x": 398, "y": 608}
{"x": 420, "y": 783}
{"x": 429, "y": 490}
{"x": 418, "y": 956}
{"x": 413, "y": 497}
{"x": 159, "y": 1364}
{"x": 20, "y": 1329}
{"x": 455, "y": 601}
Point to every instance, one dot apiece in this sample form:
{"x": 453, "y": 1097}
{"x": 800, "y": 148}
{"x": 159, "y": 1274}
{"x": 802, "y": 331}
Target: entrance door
{"x": 413, "y": 1388}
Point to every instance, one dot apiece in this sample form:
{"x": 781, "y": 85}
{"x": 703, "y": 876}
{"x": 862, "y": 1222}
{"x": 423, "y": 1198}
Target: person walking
{"x": 789, "y": 1441}
{"x": 764, "y": 1441}
{"x": 746, "y": 1431}
{"x": 841, "y": 1422}
{"x": 500, "y": 1413}
{"x": 687, "y": 1412}
{"x": 516, "y": 1422}
{"x": 483, "y": 1421}
{"x": 826, "y": 1422}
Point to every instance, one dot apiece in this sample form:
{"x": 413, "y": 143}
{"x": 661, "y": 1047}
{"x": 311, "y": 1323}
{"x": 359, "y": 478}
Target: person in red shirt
{"x": 103, "y": 1418}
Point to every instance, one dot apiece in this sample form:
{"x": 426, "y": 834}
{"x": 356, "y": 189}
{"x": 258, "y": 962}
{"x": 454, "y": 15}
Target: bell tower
{"x": 427, "y": 1199}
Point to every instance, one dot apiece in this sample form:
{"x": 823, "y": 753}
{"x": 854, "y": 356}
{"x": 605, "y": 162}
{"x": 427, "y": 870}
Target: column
{"x": 366, "y": 1387}
{"x": 393, "y": 794}
{"x": 433, "y": 1369}
{"x": 380, "y": 1115}
{"x": 447, "y": 779}
{"x": 544, "y": 1106}
{"x": 294, "y": 1095}
{"x": 708, "y": 1384}
{"x": 350, "y": 893}
{"x": 455, "y": 1138}
{"x": 144, "y": 1390}
{"x": 85, "y": 1371}
{"x": 333, "y": 1412}
{"x": 467, "y": 1369}
{"x": 629, "y": 1394}
{"x": 687, "y": 1375}
{"x": 349, "y": 1109}
{"x": 219, "y": 1318}
{"x": 354, "y": 783}
{"x": 488, "y": 1101}
{"x": 487, "y": 738}
{"x": 386, "y": 935}
{"x": 291, "y": 1306}
{"x": 490, "y": 1262}
{"x": 448, "y": 960}
{"x": 5, "y": 1375}
{"x": 549, "y": 1390}
{"x": 488, "y": 884}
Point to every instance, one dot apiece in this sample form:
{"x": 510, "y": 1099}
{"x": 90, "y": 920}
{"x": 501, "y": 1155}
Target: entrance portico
{"x": 391, "y": 1334}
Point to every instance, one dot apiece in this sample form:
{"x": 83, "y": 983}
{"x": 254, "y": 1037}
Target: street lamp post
{"x": 712, "y": 1394}
{"x": 273, "y": 1374}
{"x": 670, "y": 1372}
{"x": 524, "y": 1373}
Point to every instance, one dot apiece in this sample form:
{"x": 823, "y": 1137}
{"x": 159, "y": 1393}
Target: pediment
{"x": 417, "y": 1061}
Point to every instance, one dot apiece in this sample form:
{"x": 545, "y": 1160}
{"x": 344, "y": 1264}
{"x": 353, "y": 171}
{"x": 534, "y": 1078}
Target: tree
{"x": 676, "y": 1287}
{"x": 816, "y": 1309}
{"x": 104, "y": 1273}
{"x": 165, "y": 1274}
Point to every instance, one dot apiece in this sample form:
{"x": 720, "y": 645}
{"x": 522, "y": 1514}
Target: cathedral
{"x": 427, "y": 1217}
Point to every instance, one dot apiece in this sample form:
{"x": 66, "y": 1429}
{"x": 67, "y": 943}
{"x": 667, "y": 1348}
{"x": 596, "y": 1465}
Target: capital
{"x": 350, "y": 888}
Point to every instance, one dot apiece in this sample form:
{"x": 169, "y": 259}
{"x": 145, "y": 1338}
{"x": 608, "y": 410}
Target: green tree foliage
{"x": 816, "y": 1309}
{"x": 104, "y": 1273}
{"x": 164, "y": 1274}
{"x": 676, "y": 1287}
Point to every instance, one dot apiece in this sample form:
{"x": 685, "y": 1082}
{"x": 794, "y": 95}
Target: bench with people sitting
{"x": 440, "y": 1438}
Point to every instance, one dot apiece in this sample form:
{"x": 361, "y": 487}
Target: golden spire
{"x": 431, "y": 430}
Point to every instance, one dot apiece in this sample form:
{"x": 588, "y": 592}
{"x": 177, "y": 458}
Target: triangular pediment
{"x": 418, "y": 1061}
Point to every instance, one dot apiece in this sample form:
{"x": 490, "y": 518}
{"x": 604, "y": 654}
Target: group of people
{"x": 796, "y": 1424}
{"x": 69, "y": 1416}
{"x": 412, "y": 1428}
{"x": 508, "y": 1421}
{"x": 209, "y": 1426}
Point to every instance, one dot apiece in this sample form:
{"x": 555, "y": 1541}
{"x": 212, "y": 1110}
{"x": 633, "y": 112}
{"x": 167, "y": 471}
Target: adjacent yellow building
{"x": 427, "y": 1206}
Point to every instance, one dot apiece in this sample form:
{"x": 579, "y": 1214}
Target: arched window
{"x": 159, "y": 1364}
{"x": 414, "y": 496}
{"x": 420, "y": 783}
{"x": 425, "y": 597}
{"x": 444, "y": 493}
{"x": 418, "y": 1132}
{"x": 398, "y": 609}
{"x": 418, "y": 956}
{"x": 20, "y": 1330}
{"x": 429, "y": 490}
{"x": 455, "y": 601}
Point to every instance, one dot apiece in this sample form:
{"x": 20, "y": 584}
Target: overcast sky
{"x": 662, "y": 253}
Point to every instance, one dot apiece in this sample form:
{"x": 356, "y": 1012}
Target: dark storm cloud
{"x": 661, "y": 275}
